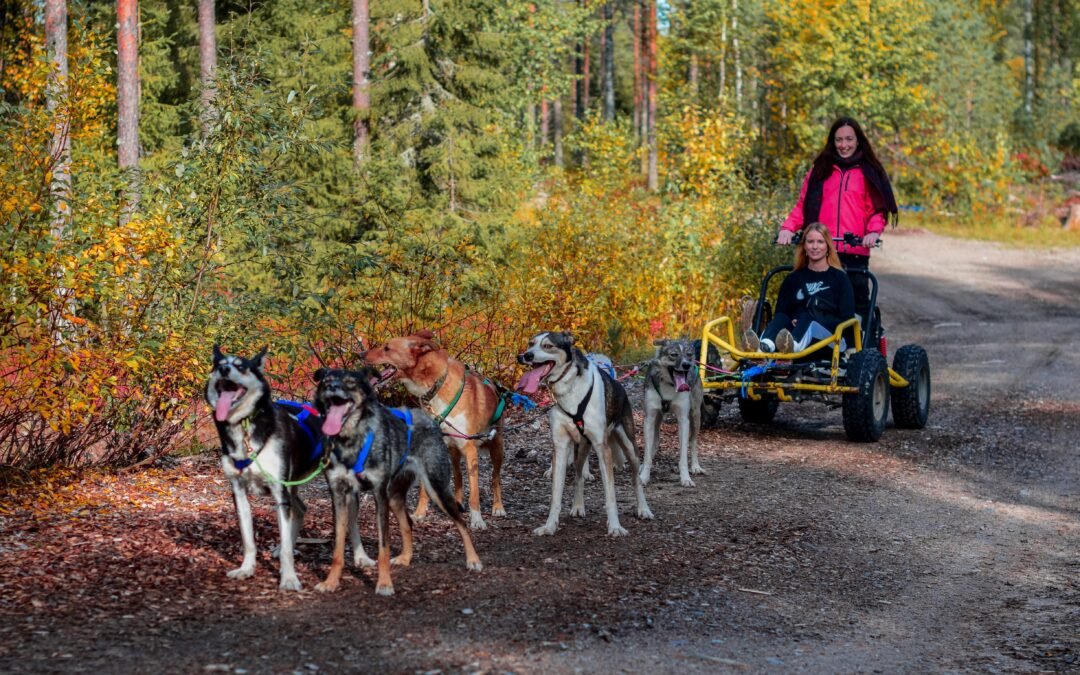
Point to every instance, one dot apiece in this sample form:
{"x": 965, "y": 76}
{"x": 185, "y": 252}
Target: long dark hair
{"x": 823, "y": 163}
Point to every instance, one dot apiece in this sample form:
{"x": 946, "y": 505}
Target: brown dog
{"x": 468, "y": 409}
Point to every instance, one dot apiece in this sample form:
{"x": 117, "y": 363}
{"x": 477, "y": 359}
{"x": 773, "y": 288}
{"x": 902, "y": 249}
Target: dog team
{"x": 274, "y": 447}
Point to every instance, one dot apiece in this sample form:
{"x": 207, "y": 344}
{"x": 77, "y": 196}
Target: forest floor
{"x": 951, "y": 548}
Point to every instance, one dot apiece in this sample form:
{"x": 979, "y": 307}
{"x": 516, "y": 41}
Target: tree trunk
{"x": 735, "y": 53}
{"x": 127, "y": 100}
{"x": 557, "y": 130}
{"x": 636, "y": 40}
{"x": 207, "y": 61}
{"x": 586, "y": 93}
{"x": 653, "y": 80}
{"x": 361, "y": 81}
{"x": 56, "y": 94}
{"x": 692, "y": 76}
{"x": 608, "y": 60}
{"x": 545, "y": 117}
{"x": 1029, "y": 60}
{"x": 723, "y": 61}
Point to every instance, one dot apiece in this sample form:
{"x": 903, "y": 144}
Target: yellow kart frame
{"x": 781, "y": 389}
{"x": 859, "y": 379}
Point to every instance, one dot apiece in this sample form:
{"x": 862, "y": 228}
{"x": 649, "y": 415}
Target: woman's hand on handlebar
{"x": 870, "y": 239}
{"x": 784, "y": 237}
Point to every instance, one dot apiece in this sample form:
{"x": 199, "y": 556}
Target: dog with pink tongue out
{"x": 591, "y": 411}
{"x": 266, "y": 447}
{"x": 672, "y": 384}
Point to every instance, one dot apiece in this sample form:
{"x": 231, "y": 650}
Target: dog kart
{"x": 856, "y": 379}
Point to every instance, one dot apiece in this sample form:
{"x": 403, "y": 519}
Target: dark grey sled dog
{"x": 383, "y": 451}
{"x": 591, "y": 411}
{"x": 672, "y": 382}
{"x": 263, "y": 447}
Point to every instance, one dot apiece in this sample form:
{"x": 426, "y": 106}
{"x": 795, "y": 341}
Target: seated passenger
{"x": 814, "y": 299}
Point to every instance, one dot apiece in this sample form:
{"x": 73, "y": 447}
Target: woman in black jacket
{"x": 814, "y": 299}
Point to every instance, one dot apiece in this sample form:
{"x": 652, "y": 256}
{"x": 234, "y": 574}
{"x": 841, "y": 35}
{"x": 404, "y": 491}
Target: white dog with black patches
{"x": 591, "y": 411}
{"x": 266, "y": 448}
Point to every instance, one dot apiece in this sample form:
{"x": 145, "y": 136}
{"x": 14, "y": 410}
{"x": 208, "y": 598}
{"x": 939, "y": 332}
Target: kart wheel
{"x": 866, "y": 411}
{"x": 710, "y": 412}
{"x": 761, "y": 411}
{"x": 911, "y": 404}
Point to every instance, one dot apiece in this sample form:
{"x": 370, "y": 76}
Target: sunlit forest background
{"x": 483, "y": 168}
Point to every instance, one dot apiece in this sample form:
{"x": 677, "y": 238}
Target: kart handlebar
{"x": 849, "y": 238}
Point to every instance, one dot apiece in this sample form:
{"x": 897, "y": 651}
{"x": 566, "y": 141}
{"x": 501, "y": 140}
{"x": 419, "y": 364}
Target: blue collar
{"x": 403, "y": 415}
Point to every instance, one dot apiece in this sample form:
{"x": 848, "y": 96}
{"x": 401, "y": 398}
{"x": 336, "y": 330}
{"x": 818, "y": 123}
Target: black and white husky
{"x": 383, "y": 451}
{"x": 263, "y": 448}
{"x": 591, "y": 411}
{"x": 672, "y": 382}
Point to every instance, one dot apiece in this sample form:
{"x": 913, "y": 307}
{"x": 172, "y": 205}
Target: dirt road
{"x": 953, "y": 548}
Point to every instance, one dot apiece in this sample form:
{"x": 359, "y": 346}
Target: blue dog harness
{"x": 299, "y": 412}
{"x": 403, "y": 415}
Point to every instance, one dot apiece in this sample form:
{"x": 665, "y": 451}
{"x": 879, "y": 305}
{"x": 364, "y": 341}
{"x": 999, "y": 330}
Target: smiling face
{"x": 546, "y": 351}
{"x": 678, "y": 357}
{"x": 402, "y": 353}
{"x": 817, "y": 249}
{"x": 235, "y": 384}
{"x": 846, "y": 142}
{"x": 340, "y": 397}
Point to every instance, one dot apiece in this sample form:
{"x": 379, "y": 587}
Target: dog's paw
{"x": 419, "y": 515}
{"x": 401, "y": 561}
{"x": 644, "y": 476}
{"x": 326, "y": 586}
{"x": 476, "y": 521}
{"x": 644, "y": 513}
{"x": 616, "y": 530}
{"x": 361, "y": 560}
{"x": 386, "y": 590}
{"x": 241, "y": 573}
{"x": 546, "y": 530}
{"x": 498, "y": 512}
{"x": 686, "y": 482}
{"x": 474, "y": 566}
{"x": 577, "y": 511}
{"x": 289, "y": 583}
{"x": 547, "y": 474}
{"x": 588, "y": 476}
{"x": 698, "y": 471}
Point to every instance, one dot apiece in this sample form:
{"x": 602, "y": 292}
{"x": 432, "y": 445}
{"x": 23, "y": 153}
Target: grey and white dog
{"x": 591, "y": 411}
{"x": 263, "y": 447}
{"x": 672, "y": 383}
{"x": 384, "y": 451}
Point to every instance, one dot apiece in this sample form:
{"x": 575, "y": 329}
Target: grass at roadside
{"x": 1003, "y": 229}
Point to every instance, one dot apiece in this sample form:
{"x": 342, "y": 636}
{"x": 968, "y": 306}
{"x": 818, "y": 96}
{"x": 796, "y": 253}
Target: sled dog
{"x": 467, "y": 408}
{"x": 263, "y": 448}
{"x": 591, "y": 411}
{"x": 381, "y": 450}
{"x": 672, "y": 382}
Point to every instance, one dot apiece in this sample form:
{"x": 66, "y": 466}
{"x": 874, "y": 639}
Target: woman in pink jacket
{"x": 848, "y": 190}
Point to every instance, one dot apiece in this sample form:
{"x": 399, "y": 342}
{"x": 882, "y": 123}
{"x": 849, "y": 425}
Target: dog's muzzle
{"x": 525, "y": 358}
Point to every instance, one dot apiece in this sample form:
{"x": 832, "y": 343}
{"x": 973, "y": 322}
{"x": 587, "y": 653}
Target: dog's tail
{"x": 443, "y": 497}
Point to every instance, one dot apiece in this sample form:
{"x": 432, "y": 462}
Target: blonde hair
{"x": 801, "y": 260}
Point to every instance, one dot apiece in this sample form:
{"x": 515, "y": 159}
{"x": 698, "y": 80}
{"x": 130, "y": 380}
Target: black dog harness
{"x": 579, "y": 416}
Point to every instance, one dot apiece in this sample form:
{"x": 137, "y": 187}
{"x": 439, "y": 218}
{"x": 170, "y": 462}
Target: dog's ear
{"x": 319, "y": 374}
{"x": 217, "y": 353}
{"x": 660, "y": 343}
{"x": 425, "y": 334}
{"x": 257, "y": 360}
{"x": 569, "y": 338}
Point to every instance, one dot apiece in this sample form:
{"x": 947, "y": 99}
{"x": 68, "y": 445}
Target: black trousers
{"x": 860, "y": 283}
